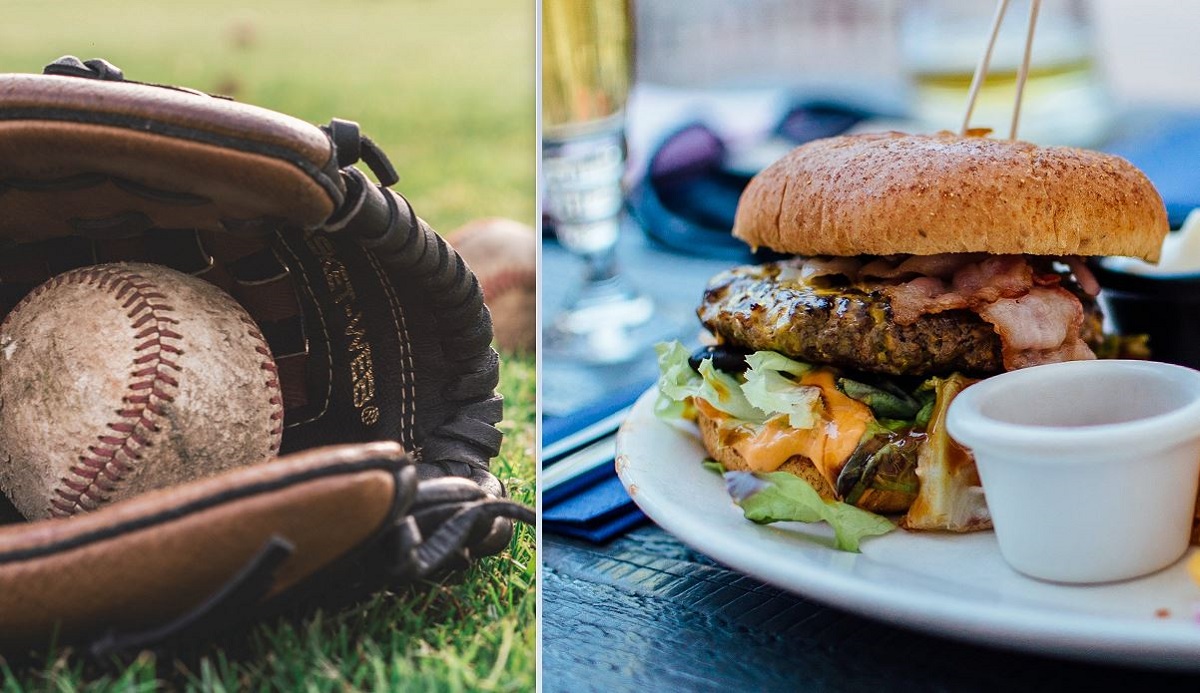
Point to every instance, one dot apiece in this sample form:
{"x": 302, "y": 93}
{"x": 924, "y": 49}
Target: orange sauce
{"x": 829, "y": 443}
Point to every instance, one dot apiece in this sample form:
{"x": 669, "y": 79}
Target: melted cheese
{"x": 828, "y": 444}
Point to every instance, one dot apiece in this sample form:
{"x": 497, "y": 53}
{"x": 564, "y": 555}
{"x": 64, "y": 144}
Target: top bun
{"x": 888, "y": 193}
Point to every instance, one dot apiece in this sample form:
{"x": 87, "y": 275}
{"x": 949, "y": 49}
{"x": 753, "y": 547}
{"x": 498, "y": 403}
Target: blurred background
{"x": 721, "y": 88}
{"x": 447, "y": 89}
{"x": 1138, "y": 48}
{"x": 1093, "y": 60}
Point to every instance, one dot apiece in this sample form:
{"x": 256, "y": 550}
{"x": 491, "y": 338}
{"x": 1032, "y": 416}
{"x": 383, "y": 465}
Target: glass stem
{"x": 601, "y": 266}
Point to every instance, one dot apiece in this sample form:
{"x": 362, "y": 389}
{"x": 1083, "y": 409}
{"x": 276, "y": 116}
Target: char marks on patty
{"x": 765, "y": 307}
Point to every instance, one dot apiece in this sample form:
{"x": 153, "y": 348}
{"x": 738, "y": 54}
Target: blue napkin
{"x": 593, "y": 506}
{"x": 557, "y": 428}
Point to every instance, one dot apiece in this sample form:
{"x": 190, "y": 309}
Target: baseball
{"x": 503, "y": 255}
{"x": 122, "y": 378}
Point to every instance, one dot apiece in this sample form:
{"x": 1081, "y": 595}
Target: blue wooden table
{"x": 646, "y": 613}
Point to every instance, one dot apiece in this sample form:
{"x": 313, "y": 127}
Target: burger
{"x": 915, "y": 266}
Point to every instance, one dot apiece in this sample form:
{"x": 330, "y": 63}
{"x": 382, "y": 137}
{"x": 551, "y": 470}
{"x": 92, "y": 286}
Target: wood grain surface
{"x": 646, "y": 613}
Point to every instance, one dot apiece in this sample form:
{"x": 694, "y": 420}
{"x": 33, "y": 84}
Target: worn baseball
{"x": 503, "y": 255}
{"x": 122, "y": 378}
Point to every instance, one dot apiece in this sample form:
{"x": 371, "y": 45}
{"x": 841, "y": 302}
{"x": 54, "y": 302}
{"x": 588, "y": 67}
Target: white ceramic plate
{"x": 952, "y": 585}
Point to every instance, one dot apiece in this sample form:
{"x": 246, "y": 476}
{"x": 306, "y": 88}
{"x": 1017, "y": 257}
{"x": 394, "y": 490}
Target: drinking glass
{"x": 587, "y": 58}
{"x": 1065, "y": 99}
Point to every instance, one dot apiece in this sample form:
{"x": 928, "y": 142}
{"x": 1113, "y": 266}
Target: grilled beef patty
{"x": 849, "y": 327}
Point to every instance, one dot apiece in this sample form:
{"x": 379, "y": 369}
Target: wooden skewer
{"x": 985, "y": 60}
{"x": 1024, "y": 72}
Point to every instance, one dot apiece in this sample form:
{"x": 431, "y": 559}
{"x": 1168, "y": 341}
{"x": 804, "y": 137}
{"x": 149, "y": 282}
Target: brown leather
{"x": 105, "y": 570}
{"x": 185, "y": 110}
{"x": 228, "y": 185}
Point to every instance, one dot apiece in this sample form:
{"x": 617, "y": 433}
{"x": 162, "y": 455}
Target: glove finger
{"x": 147, "y": 560}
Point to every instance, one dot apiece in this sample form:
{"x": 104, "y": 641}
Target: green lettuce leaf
{"x": 889, "y": 403}
{"x": 774, "y": 361}
{"x": 724, "y": 392}
{"x": 780, "y": 496}
{"x": 950, "y": 495}
{"x": 769, "y": 389}
{"x": 678, "y": 380}
{"x": 882, "y": 469}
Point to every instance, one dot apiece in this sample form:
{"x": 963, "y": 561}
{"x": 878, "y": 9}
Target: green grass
{"x": 446, "y": 87}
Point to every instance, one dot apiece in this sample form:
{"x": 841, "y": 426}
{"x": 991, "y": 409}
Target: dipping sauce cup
{"x": 1090, "y": 468}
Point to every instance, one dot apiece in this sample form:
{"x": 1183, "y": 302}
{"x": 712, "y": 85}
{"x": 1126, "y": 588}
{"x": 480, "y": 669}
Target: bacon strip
{"x": 825, "y": 266}
{"x": 922, "y": 296}
{"x": 943, "y": 266}
{"x": 999, "y": 276}
{"x": 1083, "y": 274}
{"x": 974, "y": 285}
{"x": 1043, "y": 326}
{"x": 1037, "y": 320}
{"x": 879, "y": 268}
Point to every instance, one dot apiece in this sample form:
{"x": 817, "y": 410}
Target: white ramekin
{"x": 1090, "y": 468}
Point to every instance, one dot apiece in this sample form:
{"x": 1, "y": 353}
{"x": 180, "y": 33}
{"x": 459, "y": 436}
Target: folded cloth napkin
{"x": 581, "y": 494}
{"x": 600, "y": 512}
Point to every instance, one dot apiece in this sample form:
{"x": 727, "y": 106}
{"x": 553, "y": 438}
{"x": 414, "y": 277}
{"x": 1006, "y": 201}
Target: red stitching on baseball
{"x": 272, "y": 381}
{"x": 107, "y": 461}
{"x": 102, "y": 453}
{"x": 144, "y": 319}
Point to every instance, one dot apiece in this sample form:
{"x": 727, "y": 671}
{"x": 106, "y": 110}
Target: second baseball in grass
{"x": 123, "y": 378}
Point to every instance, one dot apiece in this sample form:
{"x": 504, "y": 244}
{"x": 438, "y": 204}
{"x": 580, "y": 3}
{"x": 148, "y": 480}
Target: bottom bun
{"x": 721, "y": 449}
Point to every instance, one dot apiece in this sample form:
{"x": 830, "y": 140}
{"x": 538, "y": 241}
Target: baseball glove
{"x": 378, "y": 329}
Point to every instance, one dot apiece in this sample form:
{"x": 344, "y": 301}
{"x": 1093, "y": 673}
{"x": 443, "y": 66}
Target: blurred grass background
{"x": 446, "y": 88}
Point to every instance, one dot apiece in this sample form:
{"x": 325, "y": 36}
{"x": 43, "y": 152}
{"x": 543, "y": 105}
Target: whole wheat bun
{"x": 886, "y": 193}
